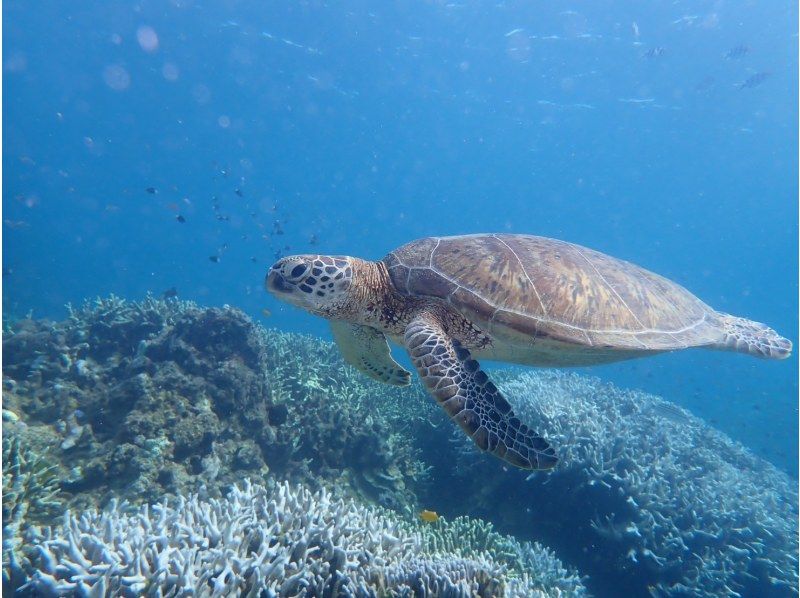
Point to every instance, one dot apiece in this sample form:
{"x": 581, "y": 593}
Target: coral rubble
{"x": 285, "y": 541}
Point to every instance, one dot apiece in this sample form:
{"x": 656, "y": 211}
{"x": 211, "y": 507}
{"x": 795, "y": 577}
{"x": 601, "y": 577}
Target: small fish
{"x": 180, "y": 218}
{"x": 705, "y": 84}
{"x": 7, "y": 271}
{"x": 15, "y": 223}
{"x": 152, "y": 190}
{"x": 239, "y": 192}
{"x": 313, "y": 240}
{"x": 214, "y": 258}
{"x": 223, "y": 218}
{"x": 635, "y": 27}
{"x": 429, "y": 516}
{"x": 266, "y": 312}
{"x": 737, "y": 52}
{"x": 754, "y": 80}
{"x": 170, "y": 293}
{"x": 254, "y": 259}
{"x": 509, "y": 34}
{"x": 655, "y": 52}
{"x": 686, "y": 20}
{"x": 671, "y": 412}
{"x": 277, "y": 254}
{"x": 277, "y": 228}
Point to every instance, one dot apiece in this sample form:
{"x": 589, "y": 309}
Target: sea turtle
{"x": 514, "y": 298}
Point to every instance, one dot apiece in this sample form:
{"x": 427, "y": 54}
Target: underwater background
{"x": 178, "y": 148}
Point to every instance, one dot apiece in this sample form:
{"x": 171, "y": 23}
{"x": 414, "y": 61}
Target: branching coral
{"x": 30, "y": 494}
{"x": 465, "y": 536}
{"x": 258, "y": 542}
{"x": 665, "y": 500}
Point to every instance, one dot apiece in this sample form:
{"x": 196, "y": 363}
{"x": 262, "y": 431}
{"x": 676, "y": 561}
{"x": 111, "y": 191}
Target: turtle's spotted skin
{"x": 468, "y": 396}
{"x": 516, "y": 298}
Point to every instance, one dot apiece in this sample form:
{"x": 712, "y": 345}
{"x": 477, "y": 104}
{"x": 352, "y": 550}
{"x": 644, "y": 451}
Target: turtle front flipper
{"x": 366, "y": 349}
{"x": 468, "y": 396}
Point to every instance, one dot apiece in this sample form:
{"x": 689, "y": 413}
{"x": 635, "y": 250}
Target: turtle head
{"x": 317, "y": 283}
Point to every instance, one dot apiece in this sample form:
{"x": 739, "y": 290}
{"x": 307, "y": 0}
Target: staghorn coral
{"x": 286, "y": 541}
{"x": 30, "y": 493}
{"x": 155, "y": 397}
{"x": 465, "y": 536}
{"x": 671, "y": 505}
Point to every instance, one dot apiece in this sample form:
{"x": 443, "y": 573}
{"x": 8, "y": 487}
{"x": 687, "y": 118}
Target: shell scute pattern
{"x": 543, "y": 287}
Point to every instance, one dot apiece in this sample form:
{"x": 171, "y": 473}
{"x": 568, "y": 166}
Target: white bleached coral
{"x": 284, "y": 541}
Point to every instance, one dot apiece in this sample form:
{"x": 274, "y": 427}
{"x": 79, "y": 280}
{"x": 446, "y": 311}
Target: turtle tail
{"x": 746, "y": 336}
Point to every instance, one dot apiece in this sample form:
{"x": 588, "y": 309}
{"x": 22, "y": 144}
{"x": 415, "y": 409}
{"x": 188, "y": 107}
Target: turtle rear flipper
{"x": 746, "y": 336}
{"x": 468, "y": 396}
{"x": 366, "y": 349}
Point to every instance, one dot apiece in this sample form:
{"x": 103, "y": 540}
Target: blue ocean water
{"x": 158, "y": 145}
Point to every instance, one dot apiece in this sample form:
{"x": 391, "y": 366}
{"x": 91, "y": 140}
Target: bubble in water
{"x": 170, "y": 71}
{"x": 116, "y": 77}
{"x": 201, "y": 94}
{"x": 147, "y": 38}
{"x": 16, "y": 63}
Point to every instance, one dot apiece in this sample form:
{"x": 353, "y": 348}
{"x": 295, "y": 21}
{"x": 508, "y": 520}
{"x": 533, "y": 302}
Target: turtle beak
{"x": 276, "y": 283}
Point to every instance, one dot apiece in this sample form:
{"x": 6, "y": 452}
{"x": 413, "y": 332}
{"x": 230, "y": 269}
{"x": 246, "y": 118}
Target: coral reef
{"x": 155, "y": 397}
{"x": 30, "y": 491}
{"x": 285, "y": 541}
{"x": 671, "y": 505}
{"x": 160, "y": 398}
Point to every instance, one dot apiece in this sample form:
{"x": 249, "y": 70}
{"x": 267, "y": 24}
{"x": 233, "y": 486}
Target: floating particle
{"x": 180, "y": 218}
{"x": 152, "y": 190}
{"x": 170, "y": 72}
{"x": 116, "y": 77}
{"x": 147, "y": 38}
{"x": 239, "y": 192}
{"x": 214, "y": 258}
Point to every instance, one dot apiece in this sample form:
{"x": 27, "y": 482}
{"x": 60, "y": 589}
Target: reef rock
{"x": 155, "y": 397}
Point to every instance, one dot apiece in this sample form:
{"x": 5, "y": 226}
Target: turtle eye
{"x": 297, "y": 272}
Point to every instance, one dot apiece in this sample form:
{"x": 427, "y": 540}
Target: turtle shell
{"x": 518, "y": 287}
